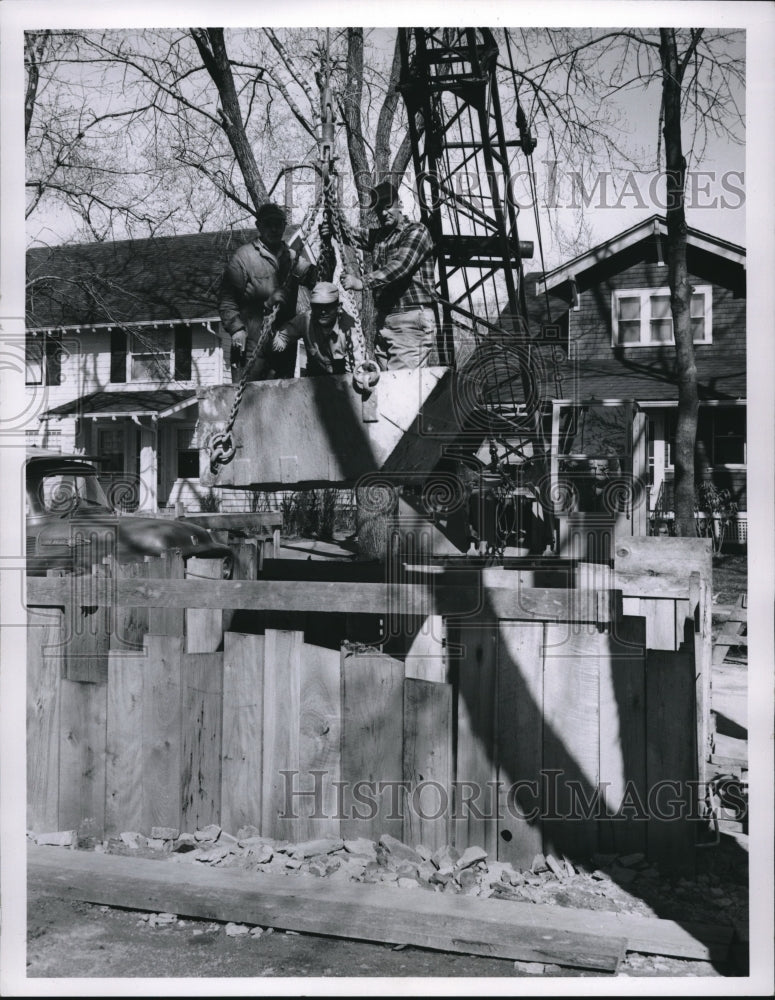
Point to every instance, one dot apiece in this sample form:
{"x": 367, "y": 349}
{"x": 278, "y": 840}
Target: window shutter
{"x": 118, "y": 348}
{"x": 183, "y": 354}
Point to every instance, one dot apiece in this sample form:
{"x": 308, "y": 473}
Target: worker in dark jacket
{"x": 402, "y": 283}
{"x": 261, "y": 274}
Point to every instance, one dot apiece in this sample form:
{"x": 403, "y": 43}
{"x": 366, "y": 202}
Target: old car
{"x": 71, "y": 525}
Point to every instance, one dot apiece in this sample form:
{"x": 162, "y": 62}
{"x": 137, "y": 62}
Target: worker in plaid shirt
{"x": 402, "y": 283}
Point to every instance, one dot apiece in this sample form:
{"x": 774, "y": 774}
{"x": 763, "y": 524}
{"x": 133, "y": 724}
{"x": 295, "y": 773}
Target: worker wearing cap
{"x": 261, "y": 274}
{"x": 324, "y": 330}
{"x": 401, "y": 283}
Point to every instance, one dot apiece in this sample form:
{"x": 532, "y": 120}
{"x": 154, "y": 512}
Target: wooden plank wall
{"x": 486, "y": 733}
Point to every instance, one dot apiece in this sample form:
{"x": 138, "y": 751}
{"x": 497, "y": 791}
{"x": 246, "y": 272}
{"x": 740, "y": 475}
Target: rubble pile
{"x": 621, "y": 883}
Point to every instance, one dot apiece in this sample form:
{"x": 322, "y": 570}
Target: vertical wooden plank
{"x": 427, "y": 762}
{"x": 660, "y": 623}
{"x": 162, "y": 731}
{"x": 703, "y": 657}
{"x": 124, "y": 757}
{"x": 204, "y": 626}
{"x": 166, "y": 621}
{"x": 623, "y": 739}
{"x": 245, "y": 568}
{"x": 372, "y": 731}
{"x": 426, "y": 658}
{"x": 571, "y": 737}
{"x": 82, "y": 745}
{"x": 475, "y": 811}
{"x": 44, "y": 670}
{"x": 671, "y": 758}
{"x": 520, "y": 740}
{"x": 320, "y": 742}
{"x": 129, "y": 625}
{"x": 281, "y": 711}
{"x": 640, "y": 471}
{"x": 201, "y": 713}
{"x": 88, "y": 639}
{"x": 242, "y": 748}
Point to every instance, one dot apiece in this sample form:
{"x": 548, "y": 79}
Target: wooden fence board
{"x": 475, "y": 773}
{"x": 425, "y": 658}
{"x": 129, "y": 625}
{"x": 44, "y": 669}
{"x": 243, "y": 720}
{"x": 571, "y": 736}
{"x": 202, "y": 707}
{"x": 162, "y": 731}
{"x": 204, "y": 626}
{"x": 83, "y": 735}
{"x": 623, "y": 738}
{"x": 671, "y": 758}
{"x": 88, "y": 627}
{"x": 520, "y": 741}
{"x": 372, "y": 731}
{"x": 282, "y": 705}
{"x": 163, "y": 618}
{"x": 320, "y": 742}
{"x": 246, "y": 565}
{"x": 427, "y": 762}
{"x": 124, "y": 757}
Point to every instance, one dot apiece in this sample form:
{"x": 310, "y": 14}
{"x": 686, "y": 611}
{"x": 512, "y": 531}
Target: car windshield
{"x": 63, "y": 492}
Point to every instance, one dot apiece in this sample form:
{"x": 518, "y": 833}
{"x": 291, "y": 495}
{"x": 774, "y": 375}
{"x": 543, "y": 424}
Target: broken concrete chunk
{"x": 246, "y": 832}
{"x": 210, "y": 832}
{"x": 227, "y": 839}
{"x": 294, "y": 864}
{"x": 156, "y": 843}
{"x": 235, "y": 930}
{"x": 555, "y": 867}
{"x": 312, "y": 848}
{"x": 399, "y": 851}
{"x": 409, "y": 869}
{"x": 530, "y": 968}
{"x": 446, "y": 857}
{"x": 466, "y": 878}
{"x": 133, "y": 839}
{"x": 211, "y": 855}
{"x": 60, "y": 838}
{"x": 256, "y": 931}
{"x": 408, "y": 883}
{"x": 261, "y": 853}
{"x": 424, "y": 852}
{"x": 539, "y": 864}
{"x": 361, "y": 846}
{"x": 426, "y": 871}
{"x": 164, "y": 833}
{"x": 470, "y": 856}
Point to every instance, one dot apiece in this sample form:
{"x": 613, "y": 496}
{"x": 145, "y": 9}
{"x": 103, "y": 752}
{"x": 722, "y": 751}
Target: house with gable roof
{"x": 119, "y": 338}
{"x": 613, "y": 305}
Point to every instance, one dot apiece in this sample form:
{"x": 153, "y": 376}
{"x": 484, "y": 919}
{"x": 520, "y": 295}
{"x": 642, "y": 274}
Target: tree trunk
{"x": 680, "y": 289}
{"x": 212, "y": 49}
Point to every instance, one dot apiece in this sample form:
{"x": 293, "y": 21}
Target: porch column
{"x": 149, "y": 467}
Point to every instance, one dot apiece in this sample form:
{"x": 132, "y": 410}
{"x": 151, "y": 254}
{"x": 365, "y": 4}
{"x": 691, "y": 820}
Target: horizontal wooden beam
{"x": 498, "y": 928}
{"x": 410, "y": 599}
{"x": 249, "y": 520}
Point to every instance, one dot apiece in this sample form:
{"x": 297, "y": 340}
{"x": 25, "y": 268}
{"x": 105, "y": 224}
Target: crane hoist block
{"x": 311, "y": 432}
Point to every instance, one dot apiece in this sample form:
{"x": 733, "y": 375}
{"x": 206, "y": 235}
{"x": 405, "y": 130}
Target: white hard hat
{"x": 324, "y": 293}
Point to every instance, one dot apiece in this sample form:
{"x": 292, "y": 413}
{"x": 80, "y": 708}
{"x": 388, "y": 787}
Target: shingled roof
{"x": 166, "y": 278}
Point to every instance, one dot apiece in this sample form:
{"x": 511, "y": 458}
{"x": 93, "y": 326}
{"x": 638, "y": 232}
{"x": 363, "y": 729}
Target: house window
{"x": 721, "y": 436}
{"x": 643, "y": 318}
{"x": 110, "y": 445}
{"x": 187, "y": 455}
{"x": 150, "y": 356}
{"x": 43, "y": 360}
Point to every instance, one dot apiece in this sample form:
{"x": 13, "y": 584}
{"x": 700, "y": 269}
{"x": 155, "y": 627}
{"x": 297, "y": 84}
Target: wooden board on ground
{"x": 505, "y": 929}
{"x": 243, "y": 722}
